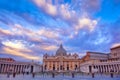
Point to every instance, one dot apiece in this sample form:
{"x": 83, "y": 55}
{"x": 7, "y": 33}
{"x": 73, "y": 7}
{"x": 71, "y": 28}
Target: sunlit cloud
{"x": 46, "y": 47}
{"x": 66, "y": 13}
{"x": 51, "y": 9}
{"x": 18, "y": 48}
{"x": 5, "y": 32}
{"x": 90, "y": 6}
{"x": 49, "y": 48}
{"x": 57, "y": 9}
{"x": 86, "y": 23}
{"x": 43, "y": 32}
{"x": 14, "y": 44}
{"x": 47, "y": 7}
{"x": 16, "y": 52}
{"x": 48, "y": 33}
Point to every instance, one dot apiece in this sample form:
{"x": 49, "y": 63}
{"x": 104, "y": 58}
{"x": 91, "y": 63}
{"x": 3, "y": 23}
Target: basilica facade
{"x": 61, "y": 61}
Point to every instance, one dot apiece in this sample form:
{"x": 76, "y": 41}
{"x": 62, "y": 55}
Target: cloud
{"x": 87, "y": 22}
{"x": 48, "y": 33}
{"x": 40, "y": 35}
{"x": 91, "y": 5}
{"x": 47, "y": 7}
{"x": 84, "y": 23}
{"x": 17, "y": 44}
{"x": 37, "y": 41}
{"x": 20, "y": 49}
{"x": 5, "y": 32}
{"x": 17, "y": 52}
{"x": 48, "y": 47}
{"x": 51, "y": 9}
{"x": 66, "y": 13}
{"x": 57, "y": 9}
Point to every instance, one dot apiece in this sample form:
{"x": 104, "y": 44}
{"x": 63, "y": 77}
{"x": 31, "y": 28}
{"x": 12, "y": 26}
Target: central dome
{"x": 61, "y": 51}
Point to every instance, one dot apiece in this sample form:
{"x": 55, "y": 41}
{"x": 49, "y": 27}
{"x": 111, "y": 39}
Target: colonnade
{"x": 14, "y": 68}
{"x": 107, "y": 68}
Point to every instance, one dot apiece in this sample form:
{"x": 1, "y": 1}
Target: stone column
{"x": 5, "y": 68}
{"x": 118, "y": 67}
{"x": 1, "y": 67}
{"x": 113, "y": 68}
{"x": 15, "y": 68}
{"x": 48, "y": 65}
{"x": 69, "y": 66}
{"x": 59, "y": 66}
{"x": 109, "y": 68}
{"x": 55, "y": 65}
{"x": 23, "y": 68}
{"x": 73, "y": 65}
{"x": 51, "y": 65}
{"x": 65, "y": 65}
{"x": 101, "y": 68}
{"x": 105, "y": 68}
{"x": 12, "y": 68}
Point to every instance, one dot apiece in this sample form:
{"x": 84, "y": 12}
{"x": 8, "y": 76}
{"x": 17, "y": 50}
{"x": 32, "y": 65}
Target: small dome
{"x": 61, "y": 51}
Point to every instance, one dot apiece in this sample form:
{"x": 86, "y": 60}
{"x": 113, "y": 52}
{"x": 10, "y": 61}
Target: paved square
{"x": 59, "y": 77}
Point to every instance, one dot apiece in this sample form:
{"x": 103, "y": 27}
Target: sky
{"x": 31, "y": 28}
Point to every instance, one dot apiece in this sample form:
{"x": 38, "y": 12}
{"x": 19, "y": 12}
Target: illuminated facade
{"x": 61, "y": 61}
